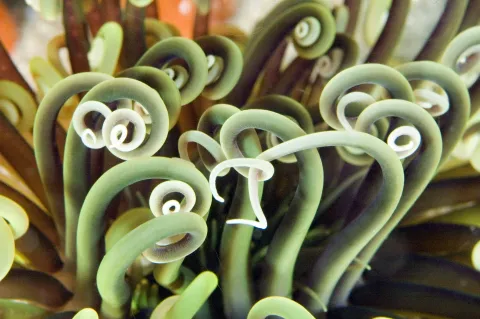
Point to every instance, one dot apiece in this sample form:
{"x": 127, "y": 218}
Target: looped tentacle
{"x": 279, "y": 306}
{"x": 46, "y": 153}
{"x": 103, "y": 191}
{"x": 162, "y": 52}
{"x": 418, "y": 174}
{"x": 225, "y": 64}
{"x": 288, "y": 16}
{"x": 13, "y": 225}
{"x": 259, "y": 171}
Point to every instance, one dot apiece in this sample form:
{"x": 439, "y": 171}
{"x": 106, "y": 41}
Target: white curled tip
{"x": 178, "y": 74}
{"x": 436, "y": 104}
{"x": 354, "y": 97}
{"x": 205, "y": 141}
{"x": 91, "y": 139}
{"x": 307, "y": 31}
{"x": 260, "y": 170}
{"x": 114, "y": 130}
{"x": 86, "y": 313}
{"x": 408, "y": 149}
{"x": 215, "y": 66}
{"x": 468, "y": 65}
{"x": 157, "y": 203}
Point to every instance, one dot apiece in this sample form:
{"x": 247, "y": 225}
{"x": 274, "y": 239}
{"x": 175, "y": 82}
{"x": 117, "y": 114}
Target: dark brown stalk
{"x": 20, "y": 155}
{"x": 201, "y": 24}
{"x": 152, "y": 10}
{"x": 289, "y": 77}
{"x": 94, "y": 17}
{"x": 39, "y": 251}
{"x": 354, "y": 11}
{"x": 272, "y": 69}
{"x": 447, "y": 27}
{"x": 134, "y": 44}
{"x": 76, "y": 35}
{"x": 34, "y": 286}
{"x": 391, "y": 33}
{"x": 36, "y": 216}
{"x": 111, "y": 11}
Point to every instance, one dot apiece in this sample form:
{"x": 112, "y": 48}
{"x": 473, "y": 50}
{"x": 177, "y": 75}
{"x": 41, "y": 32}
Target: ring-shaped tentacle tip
{"x": 260, "y": 171}
{"x": 307, "y": 31}
{"x": 91, "y": 139}
{"x": 355, "y": 97}
{"x": 436, "y": 104}
{"x": 14, "y": 223}
{"x": 205, "y": 141}
{"x": 215, "y": 66}
{"x": 160, "y": 207}
{"x": 178, "y": 74}
{"x": 115, "y": 132}
{"x": 410, "y": 147}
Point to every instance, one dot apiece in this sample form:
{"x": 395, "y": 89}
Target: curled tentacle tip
{"x": 408, "y": 149}
{"x": 307, "y": 31}
{"x": 436, "y": 104}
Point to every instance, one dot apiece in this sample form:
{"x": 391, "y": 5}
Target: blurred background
{"x": 26, "y": 34}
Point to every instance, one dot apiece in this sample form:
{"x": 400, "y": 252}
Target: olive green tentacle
{"x": 105, "y": 49}
{"x": 235, "y": 275}
{"x": 391, "y": 33}
{"x": 418, "y": 174}
{"x": 13, "y": 224}
{"x": 280, "y": 260}
{"x": 160, "y": 82}
{"x": 75, "y": 168}
{"x": 36, "y": 215}
{"x": 444, "y": 32}
{"x": 226, "y": 66}
{"x": 470, "y": 18}
{"x": 46, "y": 156}
{"x": 44, "y": 74}
{"x": 164, "y": 51}
{"x": 344, "y": 247}
{"x": 102, "y": 192}
{"x": 15, "y": 309}
{"x": 191, "y": 299}
{"x": 124, "y": 224}
{"x": 278, "y": 306}
{"x": 113, "y": 289}
{"x": 158, "y": 30}
{"x": 53, "y": 48}
{"x": 390, "y": 79}
{"x": 299, "y": 18}
{"x": 18, "y": 107}
{"x": 462, "y": 56}
{"x": 453, "y": 124}
{"x": 287, "y": 107}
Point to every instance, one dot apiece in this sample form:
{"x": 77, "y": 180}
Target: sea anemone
{"x": 304, "y": 170}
